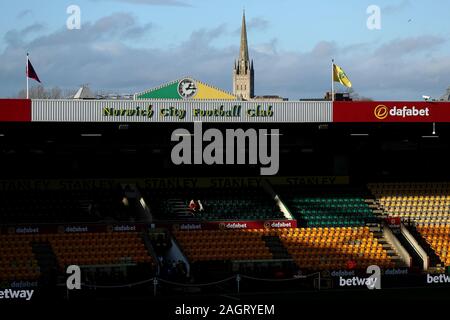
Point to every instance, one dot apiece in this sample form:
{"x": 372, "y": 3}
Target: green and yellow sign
{"x": 186, "y": 89}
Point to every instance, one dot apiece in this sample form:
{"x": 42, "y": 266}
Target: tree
{"x": 356, "y": 97}
{"x": 39, "y": 92}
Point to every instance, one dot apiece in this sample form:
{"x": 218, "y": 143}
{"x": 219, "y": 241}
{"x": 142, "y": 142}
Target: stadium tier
{"x": 418, "y": 202}
{"x": 329, "y": 207}
{"x": 51, "y": 206}
{"x": 335, "y": 248}
{"x": 224, "y": 245}
{"x": 28, "y": 257}
{"x": 98, "y": 249}
{"x": 216, "y": 204}
{"x": 310, "y": 248}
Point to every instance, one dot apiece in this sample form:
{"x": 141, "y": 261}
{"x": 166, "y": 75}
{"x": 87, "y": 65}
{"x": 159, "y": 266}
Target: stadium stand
{"x": 218, "y": 204}
{"x": 210, "y": 245}
{"x": 52, "y": 206}
{"x": 28, "y": 257}
{"x": 417, "y": 202}
{"x": 86, "y": 249}
{"x": 328, "y": 207}
{"x": 333, "y": 248}
{"x": 311, "y": 248}
{"x": 424, "y": 208}
{"x": 17, "y": 260}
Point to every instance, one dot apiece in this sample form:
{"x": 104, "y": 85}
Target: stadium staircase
{"x": 150, "y": 248}
{"x": 416, "y": 260}
{"x": 434, "y": 259}
{"x": 276, "y": 247}
{"x": 391, "y": 251}
{"x": 179, "y": 208}
{"x": 47, "y": 262}
{"x": 374, "y": 205}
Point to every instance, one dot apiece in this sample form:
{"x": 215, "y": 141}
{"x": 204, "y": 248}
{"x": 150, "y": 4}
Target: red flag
{"x": 31, "y": 73}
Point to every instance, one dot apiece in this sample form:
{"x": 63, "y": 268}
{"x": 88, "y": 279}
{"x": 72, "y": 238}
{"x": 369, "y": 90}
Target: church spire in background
{"x": 243, "y": 53}
{"x": 243, "y": 73}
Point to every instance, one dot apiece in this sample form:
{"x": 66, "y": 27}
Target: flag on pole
{"x": 31, "y": 73}
{"x": 340, "y": 76}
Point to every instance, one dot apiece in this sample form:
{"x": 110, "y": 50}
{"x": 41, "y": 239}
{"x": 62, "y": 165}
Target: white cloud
{"x": 24, "y": 13}
{"x": 396, "y": 7}
{"x": 255, "y": 24}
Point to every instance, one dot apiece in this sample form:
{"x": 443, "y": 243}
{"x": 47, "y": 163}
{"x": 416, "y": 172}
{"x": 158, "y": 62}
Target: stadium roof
{"x": 186, "y": 88}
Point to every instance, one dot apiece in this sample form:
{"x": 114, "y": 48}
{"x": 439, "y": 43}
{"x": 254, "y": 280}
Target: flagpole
{"x": 28, "y": 94}
{"x": 332, "y": 80}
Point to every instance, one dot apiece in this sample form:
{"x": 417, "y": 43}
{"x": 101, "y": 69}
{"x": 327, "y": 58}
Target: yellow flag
{"x": 340, "y": 76}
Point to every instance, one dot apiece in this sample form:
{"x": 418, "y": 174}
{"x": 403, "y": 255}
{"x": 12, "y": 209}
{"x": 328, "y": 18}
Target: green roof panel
{"x": 169, "y": 91}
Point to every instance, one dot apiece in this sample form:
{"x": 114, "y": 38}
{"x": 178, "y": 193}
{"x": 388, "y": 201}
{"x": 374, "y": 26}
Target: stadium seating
{"x": 418, "y": 202}
{"x": 49, "y": 206}
{"x": 438, "y": 237}
{"x": 327, "y": 207}
{"x": 210, "y": 245}
{"x": 218, "y": 204}
{"x": 17, "y": 261}
{"x": 332, "y": 248}
{"x": 310, "y": 248}
{"x": 98, "y": 248}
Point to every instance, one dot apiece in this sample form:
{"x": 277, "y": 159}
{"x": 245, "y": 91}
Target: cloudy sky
{"x": 126, "y": 46}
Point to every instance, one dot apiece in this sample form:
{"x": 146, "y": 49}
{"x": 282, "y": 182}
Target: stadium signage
{"x": 409, "y": 112}
{"x": 76, "y": 229}
{"x": 167, "y": 110}
{"x": 190, "y": 226}
{"x": 180, "y": 113}
{"x": 236, "y": 225}
{"x": 319, "y": 180}
{"x": 396, "y": 272}
{"x": 235, "y": 111}
{"x": 260, "y": 112}
{"x": 123, "y": 112}
{"x": 281, "y": 224}
{"x": 24, "y": 284}
{"x": 233, "y": 225}
{"x": 167, "y": 183}
{"x": 436, "y": 279}
{"x": 371, "y": 282}
{"x": 357, "y": 281}
{"x": 394, "y": 222}
{"x": 47, "y": 110}
{"x": 26, "y": 230}
{"x": 123, "y": 228}
{"x": 381, "y": 112}
{"x": 53, "y": 228}
{"x": 342, "y": 273}
{"x": 359, "y": 111}
{"x": 11, "y": 294}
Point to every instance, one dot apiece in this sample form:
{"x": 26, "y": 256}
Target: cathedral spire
{"x": 243, "y": 53}
{"x": 243, "y": 73}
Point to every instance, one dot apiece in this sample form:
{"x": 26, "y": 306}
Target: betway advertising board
{"x": 390, "y": 111}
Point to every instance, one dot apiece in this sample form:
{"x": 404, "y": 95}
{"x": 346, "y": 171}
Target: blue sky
{"x": 131, "y": 45}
